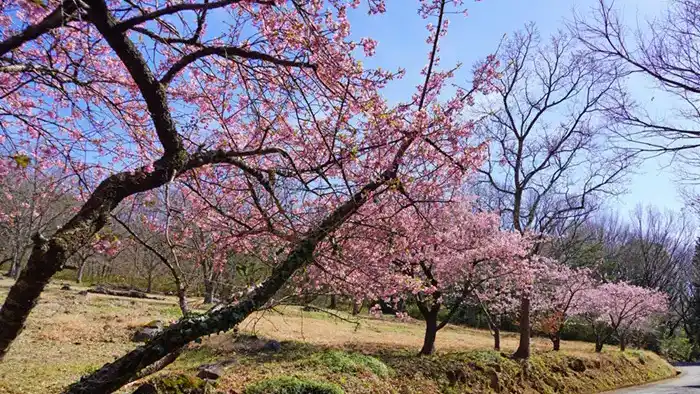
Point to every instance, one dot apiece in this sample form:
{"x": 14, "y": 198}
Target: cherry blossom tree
{"x": 437, "y": 254}
{"x": 33, "y": 200}
{"x": 269, "y": 108}
{"x": 559, "y": 292}
{"x": 498, "y": 299}
{"x": 619, "y": 309}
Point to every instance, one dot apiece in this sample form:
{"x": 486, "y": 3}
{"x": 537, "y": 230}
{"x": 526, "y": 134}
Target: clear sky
{"x": 401, "y": 35}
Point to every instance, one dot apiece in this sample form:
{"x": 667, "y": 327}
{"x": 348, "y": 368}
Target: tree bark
{"x": 496, "y": 338}
{"x": 182, "y": 299}
{"x": 13, "y": 271}
{"x": 114, "y": 375}
{"x": 598, "y": 344}
{"x": 81, "y": 271}
{"x": 149, "y": 282}
{"x": 208, "y": 291}
{"x": 431, "y": 330}
{"x": 356, "y": 308}
{"x": 523, "y": 350}
{"x": 623, "y": 343}
{"x": 556, "y": 341}
{"x": 334, "y": 302}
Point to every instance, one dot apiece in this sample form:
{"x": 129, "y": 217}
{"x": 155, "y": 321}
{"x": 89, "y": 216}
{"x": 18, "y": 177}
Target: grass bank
{"x": 69, "y": 335}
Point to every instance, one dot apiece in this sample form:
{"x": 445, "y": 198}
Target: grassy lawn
{"x": 69, "y": 335}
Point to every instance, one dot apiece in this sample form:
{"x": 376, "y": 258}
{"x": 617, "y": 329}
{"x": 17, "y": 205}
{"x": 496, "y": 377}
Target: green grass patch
{"x": 343, "y": 362}
{"x": 292, "y": 385}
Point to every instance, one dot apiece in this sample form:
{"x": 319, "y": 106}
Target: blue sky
{"x": 401, "y": 36}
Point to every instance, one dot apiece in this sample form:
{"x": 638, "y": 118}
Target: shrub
{"x": 292, "y": 385}
{"x": 338, "y": 361}
{"x": 676, "y": 348}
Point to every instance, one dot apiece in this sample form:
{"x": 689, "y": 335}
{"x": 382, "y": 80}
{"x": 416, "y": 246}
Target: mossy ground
{"x": 69, "y": 335}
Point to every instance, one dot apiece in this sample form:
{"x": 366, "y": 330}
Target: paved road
{"x": 687, "y": 383}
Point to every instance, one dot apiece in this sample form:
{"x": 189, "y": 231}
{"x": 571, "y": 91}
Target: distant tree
{"x": 548, "y": 139}
{"x": 620, "y": 309}
{"x": 559, "y": 292}
{"x": 666, "y": 51}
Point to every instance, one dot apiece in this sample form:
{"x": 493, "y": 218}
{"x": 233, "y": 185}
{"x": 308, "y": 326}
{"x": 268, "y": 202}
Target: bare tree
{"x": 550, "y": 161}
{"x": 667, "y": 52}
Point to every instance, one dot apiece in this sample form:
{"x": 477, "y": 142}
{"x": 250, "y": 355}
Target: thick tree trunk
{"x": 431, "y": 329}
{"x": 523, "y": 350}
{"x": 43, "y": 263}
{"x": 334, "y": 302}
{"x": 623, "y": 343}
{"x": 114, "y": 375}
{"x": 496, "y": 338}
{"x": 556, "y": 341}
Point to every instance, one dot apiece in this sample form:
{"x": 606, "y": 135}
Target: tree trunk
{"x": 496, "y": 338}
{"x": 598, "y": 344}
{"x": 13, "y": 272}
{"x": 208, "y": 291}
{"x": 356, "y": 308}
{"x": 334, "y": 302}
{"x": 149, "y": 282}
{"x": 623, "y": 343}
{"x": 114, "y": 375}
{"x": 43, "y": 263}
{"x": 556, "y": 341}
{"x": 430, "y": 333}
{"x": 182, "y": 300}
{"x": 523, "y": 350}
{"x": 81, "y": 271}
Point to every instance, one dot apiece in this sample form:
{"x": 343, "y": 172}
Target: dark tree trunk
{"x": 431, "y": 329}
{"x": 556, "y": 341}
{"x": 598, "y": 344}
{"x": 356, "y": 308}
{"x": 497, "y": 338}
{"x": 149, "y": 282}
{"x": 208, "y": 291}
{"x": 334, "y": 302}
{"x": 523, "y": 350}
{"x": 623, "y": 343}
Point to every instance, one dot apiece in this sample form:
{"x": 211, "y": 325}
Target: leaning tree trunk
{"x": 431, "y": 329}
{"x": 114, "y": 375}
{"x": 523, "y": 350}
{"x": 49, "y": 256}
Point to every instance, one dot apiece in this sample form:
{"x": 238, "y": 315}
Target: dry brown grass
{"x": 68, "y": 335}
{"x": 322, "y": 329}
